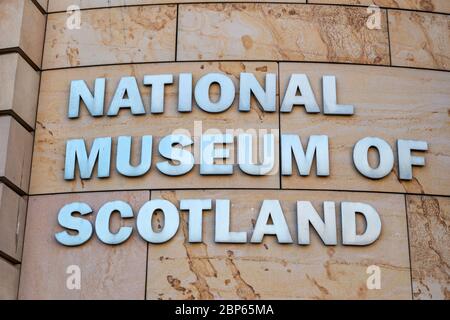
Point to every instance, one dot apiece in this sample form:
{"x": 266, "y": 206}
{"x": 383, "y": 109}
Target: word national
{"x": 128, "y": 96}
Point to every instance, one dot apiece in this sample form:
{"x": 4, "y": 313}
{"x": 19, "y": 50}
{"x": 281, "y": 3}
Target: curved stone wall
{"x": 391, "y": 62}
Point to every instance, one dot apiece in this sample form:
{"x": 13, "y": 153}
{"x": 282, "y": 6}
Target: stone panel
{"x": 54, "y": 128}
{"x": 106, "y": 272}
{"x": 107, "y": 36}
{"x": 420, "y": 39}
{"x": 429, "y": 224}
{"x": 16, "y": 147}
{"x": 389, "y": 103}
{"x": 19, "y": 89}
{"x": 181, "y": 270}
{"x": 9, "y": 280}
{"x": 293, "y": 32}
{"x": 423, "y": 5}
{"x": 22, "y": 25}
{"x": 13, "y": 210}
{"x": 61, "y": 5}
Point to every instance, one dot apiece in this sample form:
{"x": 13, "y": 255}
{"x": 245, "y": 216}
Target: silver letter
{"x": 167, "y": 150}
{"x": 208, "y": 153}
{"x": 185, "y": 92}
{"x": 405, "y": 160}
{"x": 245, "y": 155}
{"x": 227, "y": 92}
{"x": 123, "y": 160}
{"x": 271, "y": 209}
{"x": 307, "y": 99}
{"x": 317, "y": 145}
{"x": 157, "y": 82}
{"x": 76, "y": 150}
{"x": 171, "y": 221}
{"x": 94, "y": 104}
{"x": 249, "y": 84}
{"x": 330, "y": 105}
{"x": 223, "y": 233}
{"x": 360, "y": 157}
{"x": 306, "y": 214}
{"x": 127, "y": 85}
{"x": 103, "y": 219}
{"x": 82, "y": 226}
{"x": 195, "y": 223}
{"x": 373, "y": 224}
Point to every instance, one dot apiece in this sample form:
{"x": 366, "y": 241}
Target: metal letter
{"x": 171, "y": 221}
{"x": 307, "y": 98}
{"x": 249, "y": 84}
{"x": 208, "y": 153}
{"x": 76, "y": 150}
{"x": 245, "y": 155}
{"x": 373, "y": 224}
{"x": 127, "y": 85}
{"x": 223, "y": 233}
{"x": 185, "y": 92}
{"x": 195, "y": 223}
{"x": 227, "y": 92}
{"x": 158, "y": 82}
{"x": 123, "y": 160}
{"x": 361, "y": 161}
{"x": 330, "y": 105}
{"x": 405, "y": 160}
{"x": 317, "y": 145}
{"x": 326, "y": 229}
{"x": 103, "y": 220}
{"x": 94, "y": 103}
{"x": 168, "y": 150}
{"x": 271, "y": 209}
{"x": 82, "y": 226}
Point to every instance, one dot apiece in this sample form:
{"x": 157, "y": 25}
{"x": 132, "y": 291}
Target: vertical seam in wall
{"x": 176, "y": 34}
{"x": 279, "y": 126}
{"x": 389, "y": 37}
{"x": 146, "y": 256}
{"x": 409, "y": 246}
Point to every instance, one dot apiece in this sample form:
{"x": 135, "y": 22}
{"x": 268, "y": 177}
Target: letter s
{"x": 82, "y": 226}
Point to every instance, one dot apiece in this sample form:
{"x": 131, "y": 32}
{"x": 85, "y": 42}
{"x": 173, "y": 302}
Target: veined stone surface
{"x": 424, "y": 5}
{"x": 269, "y": 270}
{"x": 114, "y": 35}
{"x": 62, "y": 5}
{"x": 280, "y": 32}
{"x": 429, "y": 226}
{"x": 420, "y": 39}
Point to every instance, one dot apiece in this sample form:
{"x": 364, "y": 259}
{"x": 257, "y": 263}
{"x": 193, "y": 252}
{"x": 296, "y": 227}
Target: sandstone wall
{"x": 397, "y": 77}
